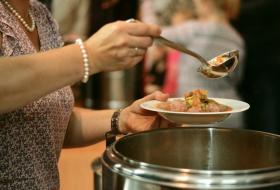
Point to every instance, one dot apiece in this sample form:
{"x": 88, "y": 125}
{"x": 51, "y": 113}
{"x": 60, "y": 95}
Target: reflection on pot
{"x": 97, "y": 174}
{"x": 193, "y": 158}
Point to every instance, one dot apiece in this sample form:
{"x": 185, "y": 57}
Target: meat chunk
{"x": 195, "y": 101}
{"x": 176, "y": 105}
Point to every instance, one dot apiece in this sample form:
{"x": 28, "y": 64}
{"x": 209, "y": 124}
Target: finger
{"x": 141, "y": 29}
{"x": 141, "y": 42}
{"x": 132, "y": 61}
{"x": 156, "y": 123}
{"x": 128, "y": 54}
{"x": 135, "y": 52}
{"x": 158, "y": 95}
{"x": 154, "y": 96}
{"x": 166, "y": 124}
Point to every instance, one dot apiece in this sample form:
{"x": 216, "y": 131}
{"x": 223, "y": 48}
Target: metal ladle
{"x": 219, "y": 66}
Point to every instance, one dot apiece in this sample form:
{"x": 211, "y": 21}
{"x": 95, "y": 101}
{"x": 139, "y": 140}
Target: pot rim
{"x": 194, "y": 171}
{"x": 189, "y": 178}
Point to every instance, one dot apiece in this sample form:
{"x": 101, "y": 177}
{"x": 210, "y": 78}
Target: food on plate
{"x": 194, "y": 101}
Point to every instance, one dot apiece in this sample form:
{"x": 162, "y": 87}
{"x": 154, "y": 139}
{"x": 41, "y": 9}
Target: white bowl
{"x": 197, "y": 118}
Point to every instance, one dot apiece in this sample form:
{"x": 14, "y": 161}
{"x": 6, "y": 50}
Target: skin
{"x": 207, "y": 10}
{"x": 23, "y": 80}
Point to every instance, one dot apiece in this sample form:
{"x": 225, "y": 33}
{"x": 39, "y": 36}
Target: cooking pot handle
{"x": 110, "y": 138}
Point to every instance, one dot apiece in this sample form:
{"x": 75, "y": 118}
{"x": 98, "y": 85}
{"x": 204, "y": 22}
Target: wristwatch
{"x": 115, "y": 122}
{"x": 111, "y": 135}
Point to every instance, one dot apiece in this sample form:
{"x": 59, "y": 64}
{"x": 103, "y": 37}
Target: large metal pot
{"x": 97, "y": 174}
{"x": 193, "y": 158}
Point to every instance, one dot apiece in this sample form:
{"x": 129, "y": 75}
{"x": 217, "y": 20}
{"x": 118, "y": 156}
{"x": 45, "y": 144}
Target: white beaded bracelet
{"x": 85, "y": 60}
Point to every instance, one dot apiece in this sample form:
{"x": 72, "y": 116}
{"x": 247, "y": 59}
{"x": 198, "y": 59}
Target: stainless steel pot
{"x": 97, "y": 174}
{"x": 193, "y": 158}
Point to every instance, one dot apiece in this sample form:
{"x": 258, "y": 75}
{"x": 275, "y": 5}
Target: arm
{"x": 24, "y": 79}
{"x": 88, "y": 126}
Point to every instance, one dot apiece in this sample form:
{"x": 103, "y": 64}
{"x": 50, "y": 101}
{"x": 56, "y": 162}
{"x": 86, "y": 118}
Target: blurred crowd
{"x": 208, "y": 27}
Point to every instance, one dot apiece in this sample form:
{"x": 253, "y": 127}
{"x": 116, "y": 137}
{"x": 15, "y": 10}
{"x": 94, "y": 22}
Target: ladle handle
{"x": 181, "y": 48}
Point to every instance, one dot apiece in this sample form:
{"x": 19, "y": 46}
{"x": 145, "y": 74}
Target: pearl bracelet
{"x": 85, "y": 60}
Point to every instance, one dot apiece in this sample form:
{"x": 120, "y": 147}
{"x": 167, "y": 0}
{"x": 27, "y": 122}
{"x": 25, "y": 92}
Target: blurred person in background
{"x": 155, "y": 65}
{"x": 153, "y": 11}
{"x": 259, "y": 25}
{"x": 37, "y": 112}
{"x": 210, "y": 34}
{"x": 162, "y": 62}
{"x": 180, "y": 12}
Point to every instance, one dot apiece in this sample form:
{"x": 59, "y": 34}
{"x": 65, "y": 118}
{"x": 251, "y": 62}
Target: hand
{"x": 135, "y": 119}
{"x": 119, "y": 45}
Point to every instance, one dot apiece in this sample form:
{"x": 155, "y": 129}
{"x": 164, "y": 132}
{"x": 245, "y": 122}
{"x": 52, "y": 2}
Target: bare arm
{"x": 24, "y": 79}
{"x": 88, "y": 126}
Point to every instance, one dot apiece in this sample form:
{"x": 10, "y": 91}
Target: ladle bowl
{"x": 217, "y": 67}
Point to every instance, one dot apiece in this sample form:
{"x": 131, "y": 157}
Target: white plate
{"x": 197, "y": 118}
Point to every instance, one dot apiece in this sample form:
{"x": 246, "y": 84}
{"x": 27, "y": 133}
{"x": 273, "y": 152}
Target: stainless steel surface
{"x": 97, "y": 174}
{"x": 117, "y": 92}
{"x": 209, "y": 70}
{"x": 193, "y": 158}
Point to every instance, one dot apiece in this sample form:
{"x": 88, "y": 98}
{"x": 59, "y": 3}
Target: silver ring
{"x": 136, "y": 49}
{"x": 130, "y": 20}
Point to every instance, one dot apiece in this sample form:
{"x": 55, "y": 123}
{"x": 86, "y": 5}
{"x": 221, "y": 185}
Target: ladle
{"x": 219, "y": 66}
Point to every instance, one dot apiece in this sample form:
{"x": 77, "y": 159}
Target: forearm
{"x": 24, "y": 79}
{"x": 87, "y": 127}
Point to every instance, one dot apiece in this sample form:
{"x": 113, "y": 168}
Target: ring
{"x": 136, "y": 49}
{"x": 130, "y": 20}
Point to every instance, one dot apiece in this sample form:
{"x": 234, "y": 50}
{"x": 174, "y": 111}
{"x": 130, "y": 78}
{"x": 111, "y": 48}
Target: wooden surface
{"x": 75, "y": 167}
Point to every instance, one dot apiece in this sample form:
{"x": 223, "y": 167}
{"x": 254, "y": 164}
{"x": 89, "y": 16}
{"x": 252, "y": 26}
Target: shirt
{"x": 32, "y": 136}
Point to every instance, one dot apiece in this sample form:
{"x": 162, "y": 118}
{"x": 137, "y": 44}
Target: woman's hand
{"x": 119, "y": 45}
{"x": 135, "y": 119}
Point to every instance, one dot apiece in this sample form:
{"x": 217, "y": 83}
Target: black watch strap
{"x": 115, "y": 122}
